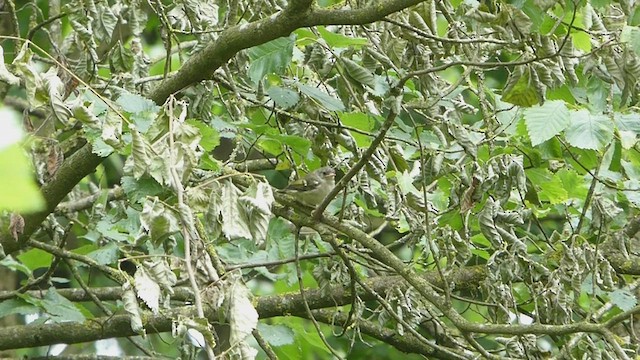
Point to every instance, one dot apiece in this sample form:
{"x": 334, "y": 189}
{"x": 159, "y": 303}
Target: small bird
{"x": 314, "y": 187}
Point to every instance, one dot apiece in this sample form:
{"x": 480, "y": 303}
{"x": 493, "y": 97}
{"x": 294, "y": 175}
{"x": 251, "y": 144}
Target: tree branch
{"x": 87, "y": 202}
{"x": 203, "y": 64}
{"x": 75, "y": 168}
{"x": 424, "y": 288}
{"x": 267, "y": 306}
{"x": 407, "y": 342}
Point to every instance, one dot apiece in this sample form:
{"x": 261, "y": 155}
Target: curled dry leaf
{"x": 16, "y": 225}
{"x": 54, "y": 159}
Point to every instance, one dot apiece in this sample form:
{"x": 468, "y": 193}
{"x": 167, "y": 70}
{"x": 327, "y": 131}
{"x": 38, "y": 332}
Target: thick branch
{"x": 360, "y": 16}
{"x": 26, "y": 336}
{"x": 87, "y": 202}
{"x": 267, "y": 306}
{"x": 75, "y": 168}
{"x": 462, "y": 279}
{"x": 203, "y": 64}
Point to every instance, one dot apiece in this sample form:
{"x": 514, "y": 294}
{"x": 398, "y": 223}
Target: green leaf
{"x": 280, "y": 239}
{"x": 358, "y": 120}
{"x": 276, "y": 335}
{"x": 14, "y": 265}
{"x": 573, "y": 183}
{"x": 615, "y": 164}
{"x": 632, "y": 195}
{"x": 305, "y": 37}
{"x": 326, "y": 100}
{"x": 583, "y": 158}
{"x": 143, "y": 111}
{"x": 310, "y": 339}
{"x": 284, "y": 98}
{"x": 536, "y": 16}
{"x": 17, "y": 306}
{"x": 546, "y": 121}
{"x": 550, "y": 185}
{"x": 581, "y": 40}
{"x": 35, "y": 259}
{"x": 210, "y": 138}
{"x": 631, "y": 35}
{"x": 589, "y": 131}
{"x": 380, "y": 85}
{"x": 271, "y": 57}
{"x": 270, "y": 145}
{"x": 18, "y": 189}
{"x": 623, "y": 299}
{"x": 298, "y": 144}
{"x": 340, "y": 41}
{"x": 138, "y": 189}
{"x": 59, "y": 308}
{"x": 98, "y": 146}
{"x": 627, "y": 122}
{"x": 519, "y": 90}
{"x": 105, "y": 255}
{"x": 405, "y": 183}
{"x": 361, "y": 121}
{"x": 358, "y": 72}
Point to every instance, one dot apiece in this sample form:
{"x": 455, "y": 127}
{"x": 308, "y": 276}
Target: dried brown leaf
{"x": 16, "y": 225}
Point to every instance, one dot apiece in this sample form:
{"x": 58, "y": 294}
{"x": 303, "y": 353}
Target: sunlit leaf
{"x": 147, "y": 289}
{"x": 243, "y": 317}
{"x": 546, "y": 121}
{"x": 276, "y": 335}
{"x": 234, "y": 222}
{"x": 5, "y": 74}
{"x": 257, "y": 202}
{"x": 589, "y": 131}
{"x": 143, "y": 111}
{"x": 623, "y": 299}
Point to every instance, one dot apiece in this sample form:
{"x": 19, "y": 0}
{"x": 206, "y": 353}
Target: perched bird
{"x": 314, "y": 187}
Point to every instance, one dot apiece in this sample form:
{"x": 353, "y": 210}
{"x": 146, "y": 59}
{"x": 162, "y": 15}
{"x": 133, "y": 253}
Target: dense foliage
{"x": 488, "y": 193}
